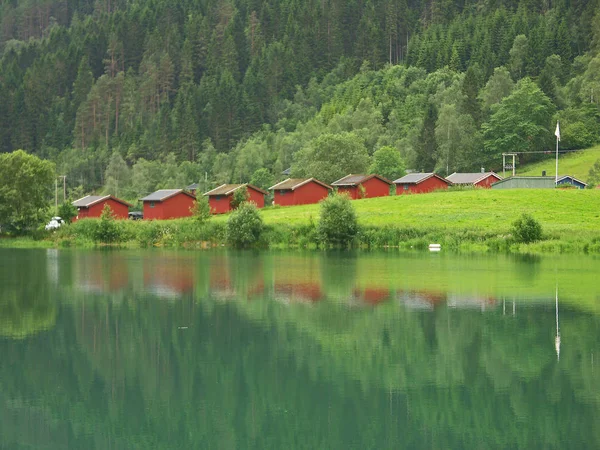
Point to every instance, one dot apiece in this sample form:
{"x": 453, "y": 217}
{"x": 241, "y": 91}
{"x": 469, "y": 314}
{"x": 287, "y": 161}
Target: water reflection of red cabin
{"x": 421, "y": 299}
{"x": 247, "y": 283}
{"x": 168, "y": 277}
{"x": 299, "y": 292}
{"x": 470, "y": 301}
{"x": 97, "y": 273}
{"x": 431, "y": 299}
{"x": 297, "y": 279}
{"x": 372, "y": 296}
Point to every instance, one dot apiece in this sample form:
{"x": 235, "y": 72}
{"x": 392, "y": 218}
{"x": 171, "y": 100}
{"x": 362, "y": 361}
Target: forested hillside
{"x": 129, "y": 96}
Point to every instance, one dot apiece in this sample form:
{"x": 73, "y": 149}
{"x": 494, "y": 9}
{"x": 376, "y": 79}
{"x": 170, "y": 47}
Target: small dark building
{"x": 192, "y": 188}
{"x": 568, "y": 180}
{"x": 372, "y": 186}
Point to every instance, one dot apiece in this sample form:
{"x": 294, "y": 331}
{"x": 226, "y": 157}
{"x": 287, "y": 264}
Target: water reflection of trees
{"x": 267, "y": 375}
{"x": 123, "y": 370}
{"x": 27, "y": 302}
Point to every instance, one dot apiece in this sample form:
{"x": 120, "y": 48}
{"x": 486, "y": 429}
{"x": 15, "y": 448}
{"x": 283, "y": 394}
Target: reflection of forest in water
{"x": 225, "y": 350}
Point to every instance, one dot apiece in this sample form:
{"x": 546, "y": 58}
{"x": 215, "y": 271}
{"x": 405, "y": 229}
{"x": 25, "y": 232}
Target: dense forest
{"x": 130, "y": 96}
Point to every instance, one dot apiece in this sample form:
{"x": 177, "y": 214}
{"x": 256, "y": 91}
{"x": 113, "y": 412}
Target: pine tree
{"x": 427, "y": 146}
{"x": 470, "y": 89}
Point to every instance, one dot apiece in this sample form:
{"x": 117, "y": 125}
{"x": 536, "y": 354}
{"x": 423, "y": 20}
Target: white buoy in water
{"x": 435, "y": 247}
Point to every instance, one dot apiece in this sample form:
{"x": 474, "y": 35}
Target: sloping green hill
{"x": 576, "y": 164}
{"x": 559, "y": 210}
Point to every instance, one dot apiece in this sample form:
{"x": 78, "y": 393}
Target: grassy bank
{"x": 472, "y": 220}
{"x": 576, "y": 164}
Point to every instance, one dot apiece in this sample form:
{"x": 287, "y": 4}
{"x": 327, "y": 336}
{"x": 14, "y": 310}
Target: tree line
{"x": 221, "y": 90}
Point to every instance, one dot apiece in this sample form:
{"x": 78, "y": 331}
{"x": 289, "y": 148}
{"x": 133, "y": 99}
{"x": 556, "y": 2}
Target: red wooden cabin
{"x": 220, "y": 198}
{"x": 92, "y": 206}
{"x": 299, "y": 191}
{"x": 477, "y": 179}
{"x": 420, "y": 183}
{"x": 168, "y": 204}
{"x": 373, "y": 185}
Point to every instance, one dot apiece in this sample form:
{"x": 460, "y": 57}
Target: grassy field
{"x": 490, "y": 210}
{"x": 463, "y": 220}
{"x": 576, "y": 164}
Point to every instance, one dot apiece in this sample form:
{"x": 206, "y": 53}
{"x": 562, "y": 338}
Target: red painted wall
{"x": 257, "y": 197}
{"x": 222, "y": 204}
{"x": 430, "y": 184}
{"x": 172, "y": 208}
{"x": 487, "y": 182}
{"x": 350, "y": 191}
{"x": 376, "y": 188}
{"x": 304, "y": 195}
{"x": 120, "y": 210}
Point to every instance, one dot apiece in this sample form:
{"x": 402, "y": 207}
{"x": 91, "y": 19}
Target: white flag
{"x": 557, "y": 132}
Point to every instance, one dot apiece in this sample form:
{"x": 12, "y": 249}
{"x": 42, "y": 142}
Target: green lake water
{"x": 276, "y": 350}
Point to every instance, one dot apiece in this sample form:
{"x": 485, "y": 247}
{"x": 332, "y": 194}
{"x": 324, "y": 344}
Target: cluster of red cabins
{"x": 176, "y": 203}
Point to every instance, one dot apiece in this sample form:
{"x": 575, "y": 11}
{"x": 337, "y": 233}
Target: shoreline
{"x": 184, "y": 234}
{"x": 470, "y": 221}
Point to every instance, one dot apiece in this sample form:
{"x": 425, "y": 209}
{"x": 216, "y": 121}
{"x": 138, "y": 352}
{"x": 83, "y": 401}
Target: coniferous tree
{"x": 427, "y": 145}
{"x": 470, "y": 88}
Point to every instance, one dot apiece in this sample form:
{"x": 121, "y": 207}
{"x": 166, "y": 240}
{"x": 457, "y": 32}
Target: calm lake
{"x": 276, "y": 350}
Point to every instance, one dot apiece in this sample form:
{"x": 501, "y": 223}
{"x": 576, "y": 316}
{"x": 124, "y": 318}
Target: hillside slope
{"x": 488, "y": 210}
{"x": 577, "y": 164}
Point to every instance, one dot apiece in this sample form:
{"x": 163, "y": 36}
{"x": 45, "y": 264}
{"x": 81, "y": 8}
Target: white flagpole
{"x": 556, "y": 179}
{"x": 557, "y": 337}
{"x": 557, "y": 134}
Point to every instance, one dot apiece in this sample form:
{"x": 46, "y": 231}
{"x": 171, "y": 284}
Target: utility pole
{"x": 56, "y": 195}
{"x": 504, "y": 166}
{"x": 64, "y": 177}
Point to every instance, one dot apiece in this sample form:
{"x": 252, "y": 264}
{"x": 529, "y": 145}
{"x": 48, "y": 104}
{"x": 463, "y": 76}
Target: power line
{"x": 550, "y": 152}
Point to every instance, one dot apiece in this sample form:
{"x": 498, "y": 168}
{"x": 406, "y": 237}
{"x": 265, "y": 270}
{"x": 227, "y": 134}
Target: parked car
{"x": 136, "y": 215}
{"x": 55, "y": 223}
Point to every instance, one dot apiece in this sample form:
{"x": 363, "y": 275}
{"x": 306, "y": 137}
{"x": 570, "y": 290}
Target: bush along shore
{"x": 334, "y": 223}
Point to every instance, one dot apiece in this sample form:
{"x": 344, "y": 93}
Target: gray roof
{"x": 355, "y": 180}
{"x": 193, "y": 187}
{"x": 293, "y": 183}
{"x": 414, "y": 178}
{"x": 287, "y": 172}
{"x": 470, "y": 178}
{"x": 164, "y": 194}
{"x": 525, "y": 182}
{"x": 226, "y": 189}
{"x": 90, "y": 200}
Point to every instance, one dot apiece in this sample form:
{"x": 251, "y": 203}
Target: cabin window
{"x": 282, "y": 192}
{"x": 151, "y": 204}
{"x": 406, "y": 187}
{"x": 218, "y": 197}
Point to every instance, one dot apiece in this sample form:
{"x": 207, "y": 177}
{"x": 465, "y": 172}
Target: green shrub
{"x": 67, "y": 212}
{"x": 337, "y": 224}
{"x": 244, "y": 226}
{"x": 201, "y": 209}
{"x": 107, "y": 230}
{"x": 239, "y": 196}
{"x": 526, "y": 229}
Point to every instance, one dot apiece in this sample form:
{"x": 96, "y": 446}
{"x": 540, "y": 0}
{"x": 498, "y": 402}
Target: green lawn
{"x": 576, "y": 164}
{"x": 490, "y": 210}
